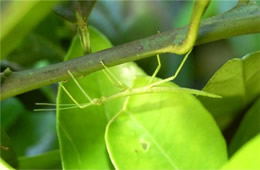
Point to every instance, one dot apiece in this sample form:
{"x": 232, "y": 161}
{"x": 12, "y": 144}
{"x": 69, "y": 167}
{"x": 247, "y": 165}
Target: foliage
{"x": 242, "y": 73}
{"x": 152, "y": 130}
{"x": 247, "y": 157}
{"x": 95, "y": 118}
{"x": 15, "y": 25}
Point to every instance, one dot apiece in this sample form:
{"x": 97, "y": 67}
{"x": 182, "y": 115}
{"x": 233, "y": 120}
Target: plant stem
{"x": 83, "y": 33}
{"x": 243, "y": 19}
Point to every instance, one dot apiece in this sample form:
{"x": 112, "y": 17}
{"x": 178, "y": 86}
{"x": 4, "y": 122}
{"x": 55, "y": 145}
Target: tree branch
{"x": 241, "y": 20}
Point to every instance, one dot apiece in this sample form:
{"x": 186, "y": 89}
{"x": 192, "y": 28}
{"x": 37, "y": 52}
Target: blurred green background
{"x": 33, "y": 133}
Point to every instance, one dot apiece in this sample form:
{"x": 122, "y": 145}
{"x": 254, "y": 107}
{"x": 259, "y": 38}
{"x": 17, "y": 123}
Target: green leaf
{"x": 81, "y": 131}
{"x": 4, "y": 165}
{"x": 49, "y": 160}
{"x": 34, "y": 133}
{"x": 11, "y": 109}
{"x": 164, "y": 131}
{"x": 7, "y": 151}
{"x": 18, "y": 18}
{"x": 247, "y": 157}
{"x": 248, "y": 128}
{"x": 238, "y": 83}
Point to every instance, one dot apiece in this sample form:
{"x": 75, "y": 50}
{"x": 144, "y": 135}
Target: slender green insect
{"x": 151, "y": 87}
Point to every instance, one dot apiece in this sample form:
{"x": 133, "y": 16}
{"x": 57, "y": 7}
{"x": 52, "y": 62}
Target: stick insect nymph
{"x": 151, "y": 87}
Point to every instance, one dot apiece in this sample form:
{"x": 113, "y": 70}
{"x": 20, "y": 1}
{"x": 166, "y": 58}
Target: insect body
{"x": 151, "y": 87}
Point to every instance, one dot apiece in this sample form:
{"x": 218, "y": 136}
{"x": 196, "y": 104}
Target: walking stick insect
{"x": 151, "y": 87}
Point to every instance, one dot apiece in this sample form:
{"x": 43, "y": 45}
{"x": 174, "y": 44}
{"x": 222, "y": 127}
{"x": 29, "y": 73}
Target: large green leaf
{"x": 249, "y": 127}
{"x": 238, "y": 83}
{"x": 7, "y": 151}
{"x": 81, "y": 131}
{"x": 18, "y": 18}
{"x": 49, "y": 160}
{"x": 248, "y": 157}
{"x": 164, "y": 131}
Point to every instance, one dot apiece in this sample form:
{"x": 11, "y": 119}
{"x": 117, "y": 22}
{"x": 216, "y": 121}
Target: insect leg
{"x": 79, "y": 86}
{"x": 174, "y": 76}
{"x": 71, "y": 97}
{"x": 157, "y": 69}
{"x": 111, "y": 77}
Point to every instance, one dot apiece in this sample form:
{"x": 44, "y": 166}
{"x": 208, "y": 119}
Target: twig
{"x": 241, "y": 20}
